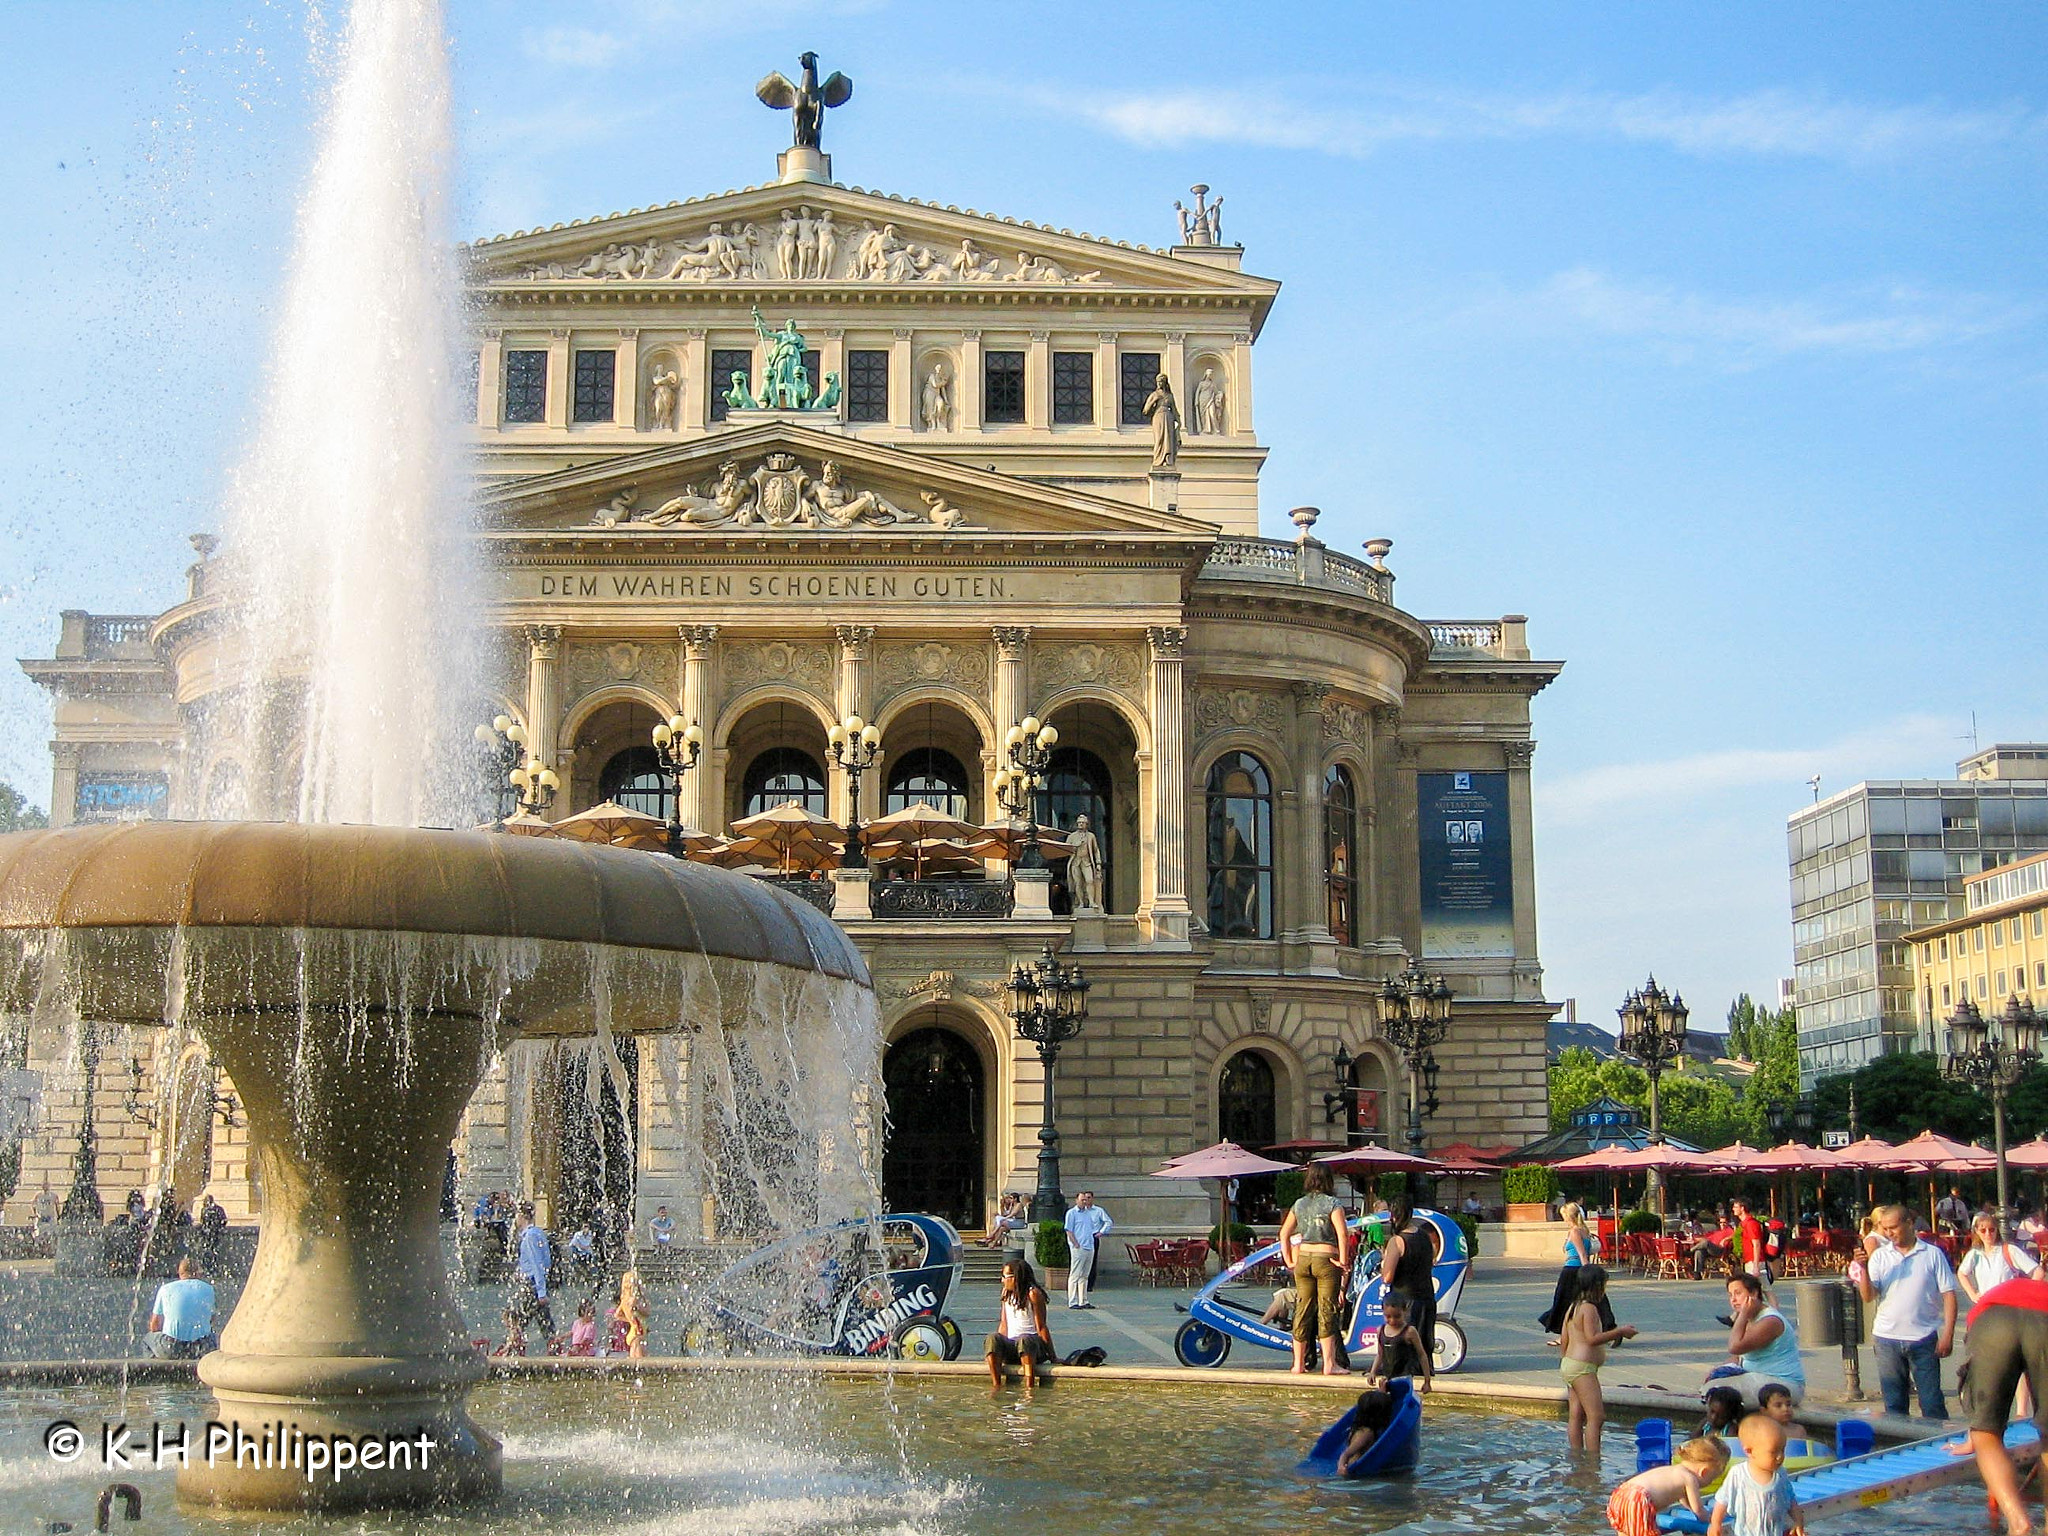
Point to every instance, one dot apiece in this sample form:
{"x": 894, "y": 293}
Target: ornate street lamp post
{"x": 1415, "y": 1015}
{"x": 1028, "y": 744}
{"x": 534, "y": 782}
{"x": 505, "y": 739}
{"x": 1653, "y": 1037}
{"x": 1991, "y": 1055}
{"x": 1048, "y": 1002}
{"x": 853, "y": 745}
{"x": 677, "y": 745}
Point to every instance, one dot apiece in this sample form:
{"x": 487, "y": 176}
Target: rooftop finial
{"x": 1203, "y": 223}
{"x": 807, "y": 101}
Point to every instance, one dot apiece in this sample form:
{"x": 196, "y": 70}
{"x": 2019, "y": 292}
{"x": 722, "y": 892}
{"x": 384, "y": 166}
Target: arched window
{"x": 1247, "y": 1103}
{"x": 1240, "y": 848}
{"x": 779, "y": 776}
{"x": 634, "y": 779}
{"x": 1340, "y": 854}
{"x": 927, "y": 776}
{"x": 1077, "y": 784}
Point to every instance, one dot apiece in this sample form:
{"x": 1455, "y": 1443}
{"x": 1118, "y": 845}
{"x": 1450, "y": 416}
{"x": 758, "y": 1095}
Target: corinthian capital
{"x": 854, "y": 640}
{"x": 1169, "y": 641}
{"x": 1010, "y": 640}
{"x": 1518, "y": 753}
{"x": 546, "y": 640}
{"x": 697, "y": 639}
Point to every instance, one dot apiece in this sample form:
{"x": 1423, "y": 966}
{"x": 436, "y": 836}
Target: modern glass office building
{"x": 1882, "y": 858}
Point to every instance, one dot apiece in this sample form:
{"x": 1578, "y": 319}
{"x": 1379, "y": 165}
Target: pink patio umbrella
{"x": 1361, "y": 1163}
{"x": 1223, "y": 1162}
{"x": 1793, "y": 1158}
{"x": 1926, "y": 1153}
{"x": 1740, "y": 1156}
{"x": 2028, "y": 1154}
{"x": 1615, "y": 1161}
{"x": 1865, "y": 1156}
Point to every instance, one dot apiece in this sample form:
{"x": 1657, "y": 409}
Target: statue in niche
{"x": 1209, "y": 405}
{"x": 1164, "y": 415}
{"x": 970, "y": 264}
{"x": 661, "y": 407}
{"x": 838, "y": 506}
{"x": 806, "y": 102}
{"x": 936, "y": 406}
{"x": 1084, "y": 868}
{"x": 736, "y": 395}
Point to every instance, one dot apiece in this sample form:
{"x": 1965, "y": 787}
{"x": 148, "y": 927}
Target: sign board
{"x": 1365, "y": 1114}
{"x": 1833, "y": 1141}
{"x": 1467, "y": 866}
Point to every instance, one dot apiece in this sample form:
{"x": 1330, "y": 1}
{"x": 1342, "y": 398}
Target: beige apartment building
{"x": 1997, "y": 950}
{"x": 980, "y": 507}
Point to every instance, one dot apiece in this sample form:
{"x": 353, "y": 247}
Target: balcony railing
{"x": 1505, "y": 639}
{"x": 944, "y": 899}
{"x": 817, "y": 892}
{"x": 111, "y": 635}
{"x": 1296, "y": 565}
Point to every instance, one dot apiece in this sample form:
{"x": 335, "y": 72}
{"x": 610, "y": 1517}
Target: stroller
{"x": 1215, "y": 1319}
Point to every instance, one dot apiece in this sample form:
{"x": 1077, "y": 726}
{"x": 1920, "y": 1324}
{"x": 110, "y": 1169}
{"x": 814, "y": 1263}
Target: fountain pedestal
{"x": 345, "y": 1334}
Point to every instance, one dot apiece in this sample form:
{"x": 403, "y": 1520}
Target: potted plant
{"x": 1529, "y": 1189}
{"x": 1052, "y": 1255}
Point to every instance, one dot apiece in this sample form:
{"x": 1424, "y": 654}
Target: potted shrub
{"x": 1052, "y": 1254}
{"x": 1529, "y": 1189}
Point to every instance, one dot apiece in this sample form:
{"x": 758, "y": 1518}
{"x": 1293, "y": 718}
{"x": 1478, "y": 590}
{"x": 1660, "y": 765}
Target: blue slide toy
{"x": 1394, "y": 1451}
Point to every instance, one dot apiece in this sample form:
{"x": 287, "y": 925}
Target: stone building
{"x": 966, "y": 508}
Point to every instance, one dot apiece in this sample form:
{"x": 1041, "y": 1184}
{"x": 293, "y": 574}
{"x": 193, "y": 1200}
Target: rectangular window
{"x": 2041, "y": 973}
{"x": 1998, "y": 935}
{"x": 2015, "y": 930}
{"x": 1977, "y": 941}
{"x": 526, "y": 386}
{"x": 1073, "y": 388}
{"x": 1944, "y": 994}
{"x": 1135, "y": 376}
{"x": 867, "y": 386}
{"x": 596, "y": 373}
{"x": 2001, "y": 983}
{"x": 1002, "y": 394}
{"x": 469, "y": 384}
{"x": 2037, "y": 925}
{"x": 725, "y": 362}
{"x": 1944, "y": 949}
{"x": 811, "y": 374}
{"x": 1983, "y": 986}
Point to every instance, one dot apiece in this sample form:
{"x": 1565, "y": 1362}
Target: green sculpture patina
{"x": 785, "y": 382}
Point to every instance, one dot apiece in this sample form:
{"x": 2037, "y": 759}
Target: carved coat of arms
{"x": 779, "y": 490}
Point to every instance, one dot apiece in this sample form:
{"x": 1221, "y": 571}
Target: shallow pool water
{"x": 753, "y": 1453}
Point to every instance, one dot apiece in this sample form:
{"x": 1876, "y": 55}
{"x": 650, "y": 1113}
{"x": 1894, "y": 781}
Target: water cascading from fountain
{"x": 349, "y": 550}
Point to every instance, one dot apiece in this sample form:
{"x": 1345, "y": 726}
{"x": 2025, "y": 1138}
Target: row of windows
{"x": 593, "y": 397}
{"x": 1996, "y": 985}
{"x": 2014, "y": 926}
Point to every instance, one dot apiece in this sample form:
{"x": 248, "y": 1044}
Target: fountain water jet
{"x": 355, "y": 983}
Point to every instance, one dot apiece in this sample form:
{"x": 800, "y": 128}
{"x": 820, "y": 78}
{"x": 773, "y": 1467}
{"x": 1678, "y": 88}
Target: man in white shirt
{"x": 1086, "y": 1222}
{"x": 663, "y": 1228}
{"x": 1915, "y": 1327}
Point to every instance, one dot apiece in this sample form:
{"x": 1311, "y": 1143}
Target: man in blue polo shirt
{"x": 1085, "y": 1223}
{"x": 181, "y": 1317}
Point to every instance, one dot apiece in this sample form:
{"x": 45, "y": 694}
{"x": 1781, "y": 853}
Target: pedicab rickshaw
{"x": 1214, "y": 1319}
{"x": 828, "y": 1291}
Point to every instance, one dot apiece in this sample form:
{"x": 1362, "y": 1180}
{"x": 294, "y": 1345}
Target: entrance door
{"x": 933, "y": 1162}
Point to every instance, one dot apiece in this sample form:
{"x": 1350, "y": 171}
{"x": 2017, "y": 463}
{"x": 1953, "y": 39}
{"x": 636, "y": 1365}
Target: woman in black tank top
{"x": 1410, "y": 1256}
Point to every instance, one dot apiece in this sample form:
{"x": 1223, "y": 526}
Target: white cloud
{"x": 573, "y": 47}
{"x": 1903, "y": 747}
{"x": 1761, "y": 123}
{"x": 1743, "y": 332}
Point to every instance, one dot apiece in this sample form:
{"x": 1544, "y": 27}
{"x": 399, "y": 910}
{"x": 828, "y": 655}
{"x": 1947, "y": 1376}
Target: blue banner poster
{"x": 1468, "y": 902}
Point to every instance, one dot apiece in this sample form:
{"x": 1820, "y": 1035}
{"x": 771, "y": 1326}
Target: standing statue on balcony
{"x": 1084, "y": 868}
{"x": 1164, "y": 415}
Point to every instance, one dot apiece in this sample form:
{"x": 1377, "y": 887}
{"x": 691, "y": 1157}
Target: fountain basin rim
{"x": 287, "y": 875}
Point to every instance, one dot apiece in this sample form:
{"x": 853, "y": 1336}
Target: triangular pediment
{"x": 827, "y": 237}
{"x": 782, "y": 479}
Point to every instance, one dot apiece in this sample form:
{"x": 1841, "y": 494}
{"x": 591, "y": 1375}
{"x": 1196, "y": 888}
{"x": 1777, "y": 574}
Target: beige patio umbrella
{"x": 618, "y": 825}
{"x": 789, "y": 837}
{"x": 919, "y": 834}
{"x": 521, "y": 824}
{"x": 1002, "y": 840}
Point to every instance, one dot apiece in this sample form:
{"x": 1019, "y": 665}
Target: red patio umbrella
{"x": 1223, "y": 1162}
{"x": 2028, "y": 1154}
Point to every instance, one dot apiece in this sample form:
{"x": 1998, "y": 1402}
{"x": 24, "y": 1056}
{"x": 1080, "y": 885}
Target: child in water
{"x": 1635, "y": 1505}
{"x": 1369, "y": 1420}
{"x": 583, "y": 1334}
{"x": 1777, "y": 1402}
{"x": 1401, "y": 1352}
{"x": 1585, "y": 1351}
{"x": 1724, "y": 1411}
{"x": 629, "y": 1317}
{"x": 1756, "y": 1498}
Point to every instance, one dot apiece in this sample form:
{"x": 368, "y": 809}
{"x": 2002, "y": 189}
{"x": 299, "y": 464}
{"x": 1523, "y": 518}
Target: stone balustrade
{"x": 1306, "y": 564}
{"x": 1506, "y": 639}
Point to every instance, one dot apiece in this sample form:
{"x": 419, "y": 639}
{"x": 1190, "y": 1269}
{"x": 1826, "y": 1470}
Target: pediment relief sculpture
{"x": 779, "y": 493}
{"x": 805, "y": 243}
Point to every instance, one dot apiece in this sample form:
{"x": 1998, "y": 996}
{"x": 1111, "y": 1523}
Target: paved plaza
{"x": 45, "y": 1317}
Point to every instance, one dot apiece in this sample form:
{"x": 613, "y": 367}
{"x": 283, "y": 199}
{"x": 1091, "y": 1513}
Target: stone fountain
{"x": 355, "y": 983}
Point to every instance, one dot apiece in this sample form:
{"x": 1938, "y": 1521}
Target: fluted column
{"x": 697, "y": 642}
{"x": 1311, "y": 911}
{"x": 1166, "y": 904}
{"x": 544, "y": 693}
{"x": 1009, "y": 701}
{"x": 1522, "y": 847}
{"x": 856, "y": 663}
{"x": 1398, "y": 895}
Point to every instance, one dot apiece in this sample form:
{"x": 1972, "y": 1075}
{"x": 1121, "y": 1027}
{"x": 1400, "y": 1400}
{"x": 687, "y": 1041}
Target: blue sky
{"x": 1711, "y": 338}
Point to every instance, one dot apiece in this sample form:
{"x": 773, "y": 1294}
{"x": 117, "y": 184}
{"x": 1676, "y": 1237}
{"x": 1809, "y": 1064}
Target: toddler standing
{"x": 1756, "y": 1498}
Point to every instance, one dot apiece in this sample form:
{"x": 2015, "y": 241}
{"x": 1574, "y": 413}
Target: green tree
{"x": 16, "y": 814}
{"x": 1774, "y": 1044}
{"x": 1579, "y": 1077}
{"x": 1742, "y": 1014}
{"x": 1697, "y": 1108}
{"x": 1903, "y": 1094}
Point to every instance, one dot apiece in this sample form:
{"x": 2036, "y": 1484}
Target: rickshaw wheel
{"x": 1450, "y": 1346}
{"x": 919, "y": 1338}
{"x": 954, "y": 1340}
{"x": 1199, "y": 1345}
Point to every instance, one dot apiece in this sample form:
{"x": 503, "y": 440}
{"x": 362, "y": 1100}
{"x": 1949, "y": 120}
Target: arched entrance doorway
{"x": 1248, "y": 1113}
{"x": 933, "y": 1161}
